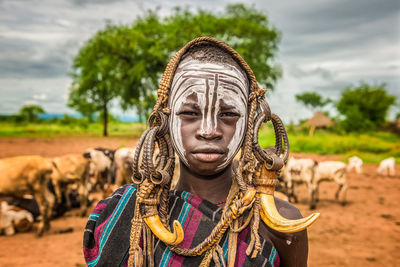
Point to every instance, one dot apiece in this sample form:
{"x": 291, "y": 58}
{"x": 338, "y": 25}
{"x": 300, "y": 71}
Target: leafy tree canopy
{"x": 364, "y": 107}
{"x": 80, "y": 102}
{"x": 127, "y": 61}
{"x": 31, "y": 112}
{"x": 312, "y": 100}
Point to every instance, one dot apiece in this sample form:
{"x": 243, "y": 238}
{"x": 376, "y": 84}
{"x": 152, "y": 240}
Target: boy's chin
{"x": 208, "y": 170}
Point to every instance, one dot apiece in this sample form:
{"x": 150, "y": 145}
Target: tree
{"x": 127, "y": 61}
{"x": 31, "y": 112}
{"x": 244, "y": 28}
{"x": 81, "y": 104}
{"x": 312, "y": 100}
{"x": 96, "y": 76}
{"x": 364, "y": 107}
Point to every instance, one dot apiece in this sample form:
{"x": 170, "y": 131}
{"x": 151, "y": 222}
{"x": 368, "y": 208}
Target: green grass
{"x": 371, "y": 147}
{"x": 115, "y": 129}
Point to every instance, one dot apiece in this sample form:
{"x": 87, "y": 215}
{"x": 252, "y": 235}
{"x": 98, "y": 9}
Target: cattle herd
{"x": 312, "y": 173}
{"x": 35, "y": 188}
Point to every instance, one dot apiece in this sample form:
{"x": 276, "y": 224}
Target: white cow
{"x": 101, "y": 165}
{"x": 13, "y": 219}
{"x": 330, "y": 171}
{"x": 386, "y": 167}
{"x": 355, "y": 163}
{"x": 123, "y": 159}
{"x": 298, "y": 171}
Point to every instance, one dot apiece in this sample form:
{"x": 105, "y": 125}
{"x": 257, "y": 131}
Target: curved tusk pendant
{"x": 268, "y": 212}
{"x": 272, "y": 218}
{"x": 158, "y": 229}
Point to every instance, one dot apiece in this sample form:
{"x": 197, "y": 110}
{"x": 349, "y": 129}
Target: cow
{"x": 386, "y": 167}
{"x": 102, "y": 167}
{"x": 29, "y": 203}
{"x": 71, "y": 171}
{"x": 123, "y": 159}
{"x": 330, "y": 171}
{"x": 312, "y": 173}
{"x": 355, "y": 163}
{"x": 29, "y": 175}
{"x": 14, "y": 219}
{"x": 298, "y": 171}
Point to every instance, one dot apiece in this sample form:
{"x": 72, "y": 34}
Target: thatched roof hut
{"x": 319, "y": 120}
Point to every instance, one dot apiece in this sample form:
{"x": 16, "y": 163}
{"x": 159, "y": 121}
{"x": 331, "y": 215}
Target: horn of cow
{"x": 162, "y": 233}
{"x": 269, "y": 214}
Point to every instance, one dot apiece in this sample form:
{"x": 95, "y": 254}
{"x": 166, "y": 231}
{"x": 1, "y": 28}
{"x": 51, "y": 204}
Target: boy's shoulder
{"x": 292, "y": 247}
{"x": 287, "y": 209}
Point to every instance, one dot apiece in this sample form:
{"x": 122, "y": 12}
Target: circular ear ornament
{"x": 271, "y": 161}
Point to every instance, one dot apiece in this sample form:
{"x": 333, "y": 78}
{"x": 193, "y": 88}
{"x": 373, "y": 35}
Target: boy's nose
{"x": 209, "y": 133}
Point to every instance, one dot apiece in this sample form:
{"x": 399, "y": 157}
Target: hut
{"x": 319, "y": 120}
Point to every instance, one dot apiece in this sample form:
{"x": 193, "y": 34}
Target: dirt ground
{"x": 50, "y": 147}
{"x": 365, "y": 232}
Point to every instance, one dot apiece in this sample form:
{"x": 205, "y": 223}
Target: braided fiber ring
{"x": 137, "y": 176}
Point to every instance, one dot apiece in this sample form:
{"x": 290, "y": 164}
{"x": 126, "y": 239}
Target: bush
{"x": 365, "y": 107}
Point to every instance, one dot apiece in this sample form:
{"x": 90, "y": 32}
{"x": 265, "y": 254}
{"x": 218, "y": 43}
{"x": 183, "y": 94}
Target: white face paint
{"x": 212, "y": 84}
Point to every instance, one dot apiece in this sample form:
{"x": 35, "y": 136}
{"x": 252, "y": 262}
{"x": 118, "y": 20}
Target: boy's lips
{"x": 207, "y": 156}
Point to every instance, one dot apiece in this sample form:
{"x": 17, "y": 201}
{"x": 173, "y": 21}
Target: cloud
{"x": 300, "y": 72}
{"x": 30, "y": 102}
{"x": 48, "y": 93}
{"x": 21, "y": 58}
{"x": 52, "y": 65}
{"x": 326, "y": 45}
{"x": 40, "y": 97}
{"x": 81, "y": 3}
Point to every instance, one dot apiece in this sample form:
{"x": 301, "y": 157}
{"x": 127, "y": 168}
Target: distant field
{"x": 47, "y": 129}
{"x": 371, "y": 147}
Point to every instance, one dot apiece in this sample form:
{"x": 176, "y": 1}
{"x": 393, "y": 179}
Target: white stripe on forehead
{"x": 228, "y": 73}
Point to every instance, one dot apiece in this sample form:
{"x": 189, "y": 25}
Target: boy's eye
{"x": 229, "y": 114}
{"x": 188, "y": 113}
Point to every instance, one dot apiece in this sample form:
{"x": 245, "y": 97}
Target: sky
{"x": 326, "y": 45}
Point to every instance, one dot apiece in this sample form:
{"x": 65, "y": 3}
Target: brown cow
{"x": 29, "y": 175}
{"x": 69, "y": 170}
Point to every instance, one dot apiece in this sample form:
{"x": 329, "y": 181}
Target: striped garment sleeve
{"x": 96, "y": 221}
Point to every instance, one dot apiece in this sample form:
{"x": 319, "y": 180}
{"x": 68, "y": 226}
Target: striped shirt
{"x": 106, "y": 236}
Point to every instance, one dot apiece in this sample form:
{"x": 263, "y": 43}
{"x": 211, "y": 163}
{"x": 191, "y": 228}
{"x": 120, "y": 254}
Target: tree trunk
{"x": 105, "y": 120}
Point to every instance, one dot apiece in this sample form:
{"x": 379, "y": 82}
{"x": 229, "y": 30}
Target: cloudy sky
{"x": 326, "y": 45}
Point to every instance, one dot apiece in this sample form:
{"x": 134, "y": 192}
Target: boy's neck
{"x": 212, "y": 188}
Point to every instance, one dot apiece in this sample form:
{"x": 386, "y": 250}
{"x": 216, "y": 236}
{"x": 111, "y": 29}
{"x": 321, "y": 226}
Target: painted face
{"x": 208, "y": 113}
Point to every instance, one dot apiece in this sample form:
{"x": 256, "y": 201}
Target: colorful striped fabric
{"x": 106, "y": 237}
